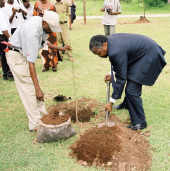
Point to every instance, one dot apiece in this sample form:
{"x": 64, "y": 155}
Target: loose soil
{"x": 142, "y": 19}
{"x": 118, "y": 148}
{"x": 85, "y": 109}
{"x": 115, "y": 148}
{"x": 54, "y": 118}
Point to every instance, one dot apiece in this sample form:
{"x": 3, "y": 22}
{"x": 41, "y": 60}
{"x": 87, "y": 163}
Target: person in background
{"x": 62, "y": 8}
{"x": 72, "y": 15}
{"x": 111, "y": 9}
{"x": 50, "y": 53}
{"x": 45, "y": 53}
{"x": 28, "y": 8}
{"x": 10, "y": 11}
{"x": 4, "y": 36}
{"x": 135, "y": 64}
{"x": 15, "y": 13}
{"x": 42, "y": 5}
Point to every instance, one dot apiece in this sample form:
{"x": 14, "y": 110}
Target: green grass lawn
{"x": 93, "y": 8}
{"x": 17, "y": 150}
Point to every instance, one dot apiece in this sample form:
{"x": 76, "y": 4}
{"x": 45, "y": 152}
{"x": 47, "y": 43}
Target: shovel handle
{"x": 107, "y": 101}
{"x": 107, "y": 91}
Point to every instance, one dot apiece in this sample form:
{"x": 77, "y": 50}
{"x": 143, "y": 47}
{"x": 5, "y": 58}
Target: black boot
{"x": 139, "y": 126}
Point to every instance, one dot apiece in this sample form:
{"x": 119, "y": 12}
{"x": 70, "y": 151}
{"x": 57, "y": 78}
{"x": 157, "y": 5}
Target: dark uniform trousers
{"x": 133, "y": 102}
{"x": 5, "y": 67}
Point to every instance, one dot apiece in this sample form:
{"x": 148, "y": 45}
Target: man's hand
{"x": 24, "y": 13}
{"x": 14, "y": 11}
{"x": 6, "y": 43}
{"x": 107, "y": 78}
{"x": 110, "y": 12}
{"x": 114, "y": 13}
{"x": 39, "y": 95}
{"x": 40, "y": 11}
{"x": 102, "y": 9}
{"x": 67, "y": 47}
{"x": 50, "y": 45}
{"x": 108, "y": 107}
{"x": 38, "y": 92}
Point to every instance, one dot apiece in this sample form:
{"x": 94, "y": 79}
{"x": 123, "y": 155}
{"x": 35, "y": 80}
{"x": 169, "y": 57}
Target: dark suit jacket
{"x": 136, "y": 58}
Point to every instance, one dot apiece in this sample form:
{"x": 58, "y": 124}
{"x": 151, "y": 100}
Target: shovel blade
{"x": 108, "y": 124}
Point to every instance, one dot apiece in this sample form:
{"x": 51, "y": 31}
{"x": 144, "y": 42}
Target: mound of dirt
{"x": 85, "y": 109}
{"x": 142, "y": 19}
{"x": 54, "y": 118}
{"x": 83, "y": 112}
{"x": 118, "y": 148}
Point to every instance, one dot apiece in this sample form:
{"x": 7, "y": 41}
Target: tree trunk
{"x": 144, "y": 8}
{"x": 84, "y": 10}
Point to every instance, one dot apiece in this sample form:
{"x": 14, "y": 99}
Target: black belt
{"x": 13, "y": 49}
{"x": 63, "y": 22}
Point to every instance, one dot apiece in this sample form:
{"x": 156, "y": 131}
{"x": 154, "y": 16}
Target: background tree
{"x": 155, "y": 3}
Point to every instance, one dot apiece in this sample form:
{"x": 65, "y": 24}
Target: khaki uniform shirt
{"x": 62, "y": 8}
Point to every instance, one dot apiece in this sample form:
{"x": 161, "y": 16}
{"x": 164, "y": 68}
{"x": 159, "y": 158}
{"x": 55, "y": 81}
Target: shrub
{"x": 155, "y": 3}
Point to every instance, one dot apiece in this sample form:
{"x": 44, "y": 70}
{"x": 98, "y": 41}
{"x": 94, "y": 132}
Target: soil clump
{"x": 54, "y": 118}
{"x": 117, "y": 147}
{"x": 142, "y": 19}
{"x": 85, "y": 109}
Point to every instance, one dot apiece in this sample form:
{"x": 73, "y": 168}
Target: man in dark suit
{"x": 136, "y": 60}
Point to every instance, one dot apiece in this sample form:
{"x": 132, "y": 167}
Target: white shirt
{"x": 19, "y": 5}
{"x": 18, "y": 18}
{"x": 8, "y": 12}
{"x": 4, "y": 22}
{"x": 114, "y": 5}
{"x": 29, "y": 12}
{"x": 28, "y": 37}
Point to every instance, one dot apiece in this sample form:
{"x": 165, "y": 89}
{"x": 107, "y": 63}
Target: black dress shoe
{"x": 130, "y": 126}
{"x": 139, "y": 126}
{"x": 5, "y": 77}
{"x": 120, "y": 106}
{"x": 45, "y": 69}
{"x": 10, "y": 77}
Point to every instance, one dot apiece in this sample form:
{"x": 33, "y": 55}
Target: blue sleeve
{"x": 119, "y": 64}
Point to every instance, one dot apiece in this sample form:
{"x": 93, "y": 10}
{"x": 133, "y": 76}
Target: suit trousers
{"x": 35, "y": 109}
{"x": 134, "y": 102}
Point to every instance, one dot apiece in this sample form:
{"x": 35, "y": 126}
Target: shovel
{"x": 107, "y": 101}
{"x": 107, "y": 122}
